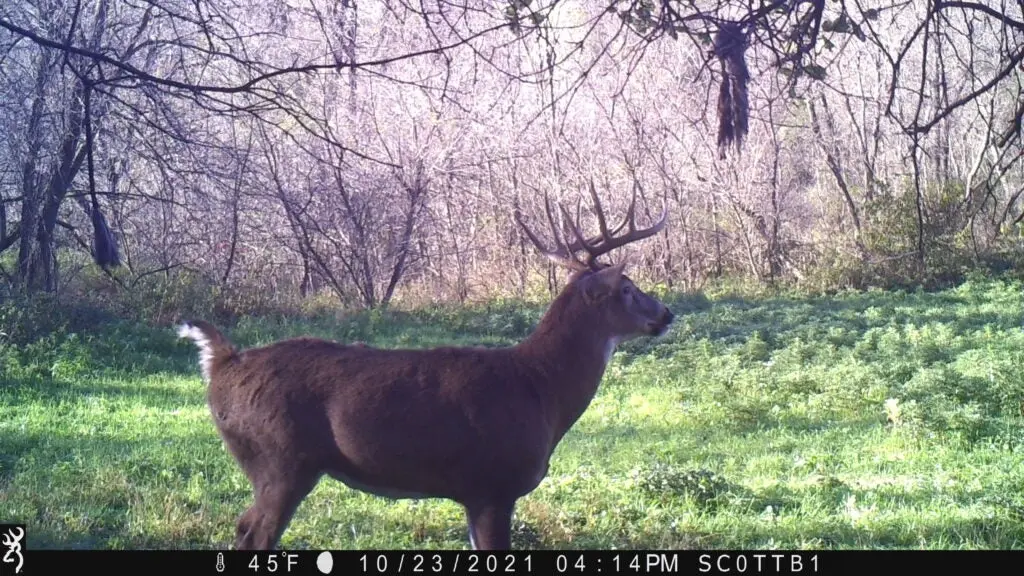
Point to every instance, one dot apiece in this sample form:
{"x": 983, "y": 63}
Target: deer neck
{"x": 570, "y": 351}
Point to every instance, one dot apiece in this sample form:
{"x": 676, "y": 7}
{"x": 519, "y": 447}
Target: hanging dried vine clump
{"x": 733, "y": 106}
{"x": 105, "y": 244}
{"x": 105, "y": 251}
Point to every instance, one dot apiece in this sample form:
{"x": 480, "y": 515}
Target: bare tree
{"x": 376, "y": 150}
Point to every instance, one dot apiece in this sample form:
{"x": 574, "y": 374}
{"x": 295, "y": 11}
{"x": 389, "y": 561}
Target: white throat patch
{"x": 609, "y": 349}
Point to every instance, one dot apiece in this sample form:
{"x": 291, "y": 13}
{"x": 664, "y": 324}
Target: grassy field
{"x": 863, "y": 420}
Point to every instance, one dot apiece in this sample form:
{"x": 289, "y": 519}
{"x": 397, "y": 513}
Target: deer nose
{"x": 668, "y": 316}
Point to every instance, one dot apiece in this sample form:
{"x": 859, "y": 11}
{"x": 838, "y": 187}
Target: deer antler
{"x": 564, "y": 252}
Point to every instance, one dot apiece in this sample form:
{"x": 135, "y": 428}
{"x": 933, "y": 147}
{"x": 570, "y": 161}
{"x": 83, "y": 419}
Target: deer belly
{"x": 376, "y": 489}
{"x": 531, "y": 482}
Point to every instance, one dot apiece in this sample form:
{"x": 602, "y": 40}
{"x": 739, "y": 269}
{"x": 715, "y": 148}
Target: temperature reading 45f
{"x": 280, "y": 561}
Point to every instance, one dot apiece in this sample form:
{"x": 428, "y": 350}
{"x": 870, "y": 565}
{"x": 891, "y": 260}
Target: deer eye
{"x": 626, "y": 290}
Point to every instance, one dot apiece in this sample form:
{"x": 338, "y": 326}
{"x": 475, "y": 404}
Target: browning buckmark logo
{"x": 12, "y": 536}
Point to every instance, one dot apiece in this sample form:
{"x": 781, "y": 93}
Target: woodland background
{"x": 254, "y": 155}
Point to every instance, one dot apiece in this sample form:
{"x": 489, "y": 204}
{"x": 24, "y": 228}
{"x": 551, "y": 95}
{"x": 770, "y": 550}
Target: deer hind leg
{"x": 280, "y": 482}
{"x": 244, "y": 529}
{"x": 278, "y": 496}
{"x": 490, "y": 525}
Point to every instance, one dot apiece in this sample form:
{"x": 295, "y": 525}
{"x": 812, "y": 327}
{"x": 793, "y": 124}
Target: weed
{"x": 875, "y": 419}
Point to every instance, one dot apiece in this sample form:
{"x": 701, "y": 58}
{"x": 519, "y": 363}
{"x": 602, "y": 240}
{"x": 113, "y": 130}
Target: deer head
{"x": 625, "y": 311}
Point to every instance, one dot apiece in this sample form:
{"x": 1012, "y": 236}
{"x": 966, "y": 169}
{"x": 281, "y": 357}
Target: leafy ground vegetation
{"x": 877, "y": 419}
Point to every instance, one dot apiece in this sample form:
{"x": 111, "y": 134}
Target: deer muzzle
{"x": 660, "y": 326}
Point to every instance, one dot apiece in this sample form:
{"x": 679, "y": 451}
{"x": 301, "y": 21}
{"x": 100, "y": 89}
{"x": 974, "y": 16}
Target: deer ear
{"x": 604, "y": 282}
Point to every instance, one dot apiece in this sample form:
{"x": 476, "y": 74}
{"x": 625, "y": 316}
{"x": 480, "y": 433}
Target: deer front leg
{"x": 490, "y": 525}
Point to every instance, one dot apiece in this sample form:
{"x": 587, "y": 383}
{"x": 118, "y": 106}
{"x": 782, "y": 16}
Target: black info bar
{"x": 541, "y": 562}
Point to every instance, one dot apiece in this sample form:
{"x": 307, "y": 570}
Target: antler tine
{"x": 580, "y": 243}
{"x": 600, "y": 211}
{"x": 565, "y": 247}
{"x": 594, "y": 241}
{"x": 608, "y": 241}
{"x": 605, "y": 234}
{"x": 560, "y": 255}
{"x": 631, "y": 213}
{"x": 559, "y": 245}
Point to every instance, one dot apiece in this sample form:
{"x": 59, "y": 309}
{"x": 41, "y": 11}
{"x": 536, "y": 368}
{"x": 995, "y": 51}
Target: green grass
{"x": 862, "y": 420}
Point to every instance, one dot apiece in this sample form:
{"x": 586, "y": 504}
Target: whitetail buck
{"x": 473, "y": 425}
